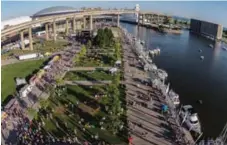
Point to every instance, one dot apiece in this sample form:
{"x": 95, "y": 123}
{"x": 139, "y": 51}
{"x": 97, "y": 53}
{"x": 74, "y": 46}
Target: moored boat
{"x": 190, "y": 118}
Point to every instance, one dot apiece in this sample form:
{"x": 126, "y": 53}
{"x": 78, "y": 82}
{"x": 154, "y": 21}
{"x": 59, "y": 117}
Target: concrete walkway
{"x": 88, "y": 68}
{"x": 14, "y": 60}
{"x": 87, "y": 83}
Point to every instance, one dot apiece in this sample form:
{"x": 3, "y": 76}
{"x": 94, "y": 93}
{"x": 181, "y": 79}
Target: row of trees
{"x": 104, "y": 37}
{"x": 82, "y": 53}
{"x": 115, "y": 109}
{"x": 181, "y": 22}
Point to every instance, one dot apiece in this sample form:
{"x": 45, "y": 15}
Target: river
{"x": 192, "y": 78}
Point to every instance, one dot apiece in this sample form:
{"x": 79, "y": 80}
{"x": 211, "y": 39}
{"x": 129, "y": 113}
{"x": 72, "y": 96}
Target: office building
{"x": 207, "y": 29}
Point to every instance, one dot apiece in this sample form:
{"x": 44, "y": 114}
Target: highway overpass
{"x": 55, "y": 18}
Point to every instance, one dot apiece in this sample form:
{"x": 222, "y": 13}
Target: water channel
{"x": 192, "y": 78}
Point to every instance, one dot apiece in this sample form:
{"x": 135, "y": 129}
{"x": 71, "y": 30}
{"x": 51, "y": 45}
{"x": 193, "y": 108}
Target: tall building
{"x": 204, "y": 28}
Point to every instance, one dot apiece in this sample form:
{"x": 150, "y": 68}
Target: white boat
{"x": 212, "y": 46}
{"x": 224, "y": 48}
{"x": 202, "y": 57}
{"x": 200, "y": 50}
{"x": 190, "y": 118}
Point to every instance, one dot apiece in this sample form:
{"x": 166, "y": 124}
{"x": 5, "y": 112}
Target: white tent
{"x": 113, "y": 70}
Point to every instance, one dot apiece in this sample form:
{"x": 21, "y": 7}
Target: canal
{"x": 192, "y": 78}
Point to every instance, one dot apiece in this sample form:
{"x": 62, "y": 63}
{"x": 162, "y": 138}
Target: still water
{"x": 192, "y": 78}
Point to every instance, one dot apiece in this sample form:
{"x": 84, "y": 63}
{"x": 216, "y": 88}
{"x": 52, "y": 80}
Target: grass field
{"x": 89, "y": 61}
{"x": 64, "y": 109}
{"x": 88, "y": 75}
{"x": 10, "y": 72}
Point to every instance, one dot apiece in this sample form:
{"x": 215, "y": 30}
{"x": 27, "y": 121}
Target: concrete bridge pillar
{"x": 67, "y": 26}
{"x": 91, "y": 22}
{"x": 84, "y": 27}
{"x": 74, "y": 25}
{"x": 118, "y": 20}
{"x": 30, "y": 38}
{"x": 22, "y": 40}
{"x": 47, "y": 31}
{"x": 54, "y": 30}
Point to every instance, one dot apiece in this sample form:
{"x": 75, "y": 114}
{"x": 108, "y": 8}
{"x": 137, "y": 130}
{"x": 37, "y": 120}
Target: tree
{"x": 185, "y": 22}
{"x": 59, "y": 81}
{"x": 175, "y": 21}
{"x": 43, "y": 103}
{"x": 89, "y": 44}
{"x": 83, "y": 51}
{"x": 116, "y": 79}
{"x": 104, "y": 37}
{"x": 117, "y": 50}
{"x": 167, "y": 20}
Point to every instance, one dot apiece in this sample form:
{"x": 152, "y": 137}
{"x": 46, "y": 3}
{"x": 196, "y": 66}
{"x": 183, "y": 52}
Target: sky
{"x": 211, "y": 11}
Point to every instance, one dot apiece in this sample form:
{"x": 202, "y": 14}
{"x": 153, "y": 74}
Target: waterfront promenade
{"x": 147, "y": 123}
{"x": 142, "y": 120}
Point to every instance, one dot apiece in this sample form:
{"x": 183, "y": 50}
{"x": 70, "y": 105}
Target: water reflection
{"x": 217, "y": 50}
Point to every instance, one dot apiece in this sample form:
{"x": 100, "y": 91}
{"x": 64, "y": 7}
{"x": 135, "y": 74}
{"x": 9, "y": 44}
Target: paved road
{"x": 14, "y": 60}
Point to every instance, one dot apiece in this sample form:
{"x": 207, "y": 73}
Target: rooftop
{"x": 55, "y": 10}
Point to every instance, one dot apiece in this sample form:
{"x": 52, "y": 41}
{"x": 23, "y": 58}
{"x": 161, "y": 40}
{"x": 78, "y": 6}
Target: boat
{"x": 200, "y": 50}
{"x": 224, "y": 48}
{"x": 190, "y": 118}
{"x": 202, "y": 57}
{"x": 212, "y": 46}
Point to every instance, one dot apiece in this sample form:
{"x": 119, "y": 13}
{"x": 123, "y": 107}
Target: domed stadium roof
{"x": 55, "y": 10}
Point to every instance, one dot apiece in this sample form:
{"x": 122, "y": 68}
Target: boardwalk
{"x": 146, "y": 124}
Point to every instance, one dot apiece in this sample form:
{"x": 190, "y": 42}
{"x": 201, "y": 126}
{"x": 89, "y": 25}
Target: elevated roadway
{"x": 55, "y": 18}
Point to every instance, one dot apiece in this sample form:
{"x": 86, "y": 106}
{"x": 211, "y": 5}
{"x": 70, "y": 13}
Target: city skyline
{"x": 207, "y": 11}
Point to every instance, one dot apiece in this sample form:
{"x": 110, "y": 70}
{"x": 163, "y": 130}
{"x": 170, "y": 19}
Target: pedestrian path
{"x": 88, "y": 68}
{"x": 88, "y": 83}
{"x": 147, "y": 125}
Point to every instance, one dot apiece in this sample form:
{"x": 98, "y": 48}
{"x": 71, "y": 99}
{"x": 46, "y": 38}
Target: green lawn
{"x": 90, "y": 61}
{"x": 88, "y": 75}
{"x": 51, "y": 46}
{"x": 64, "y": 112}
{"x": 9, "y": 72}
